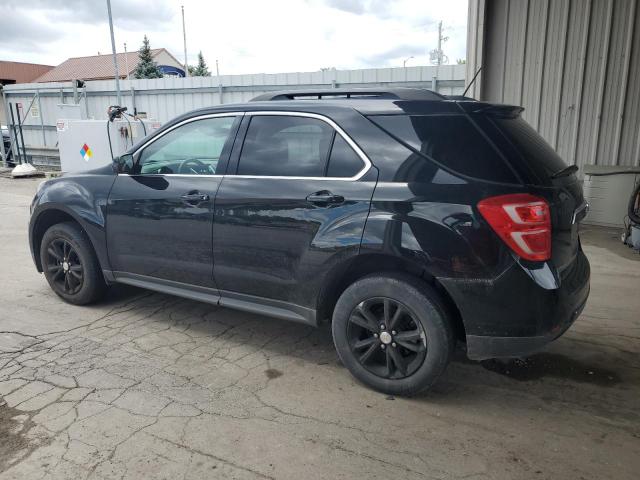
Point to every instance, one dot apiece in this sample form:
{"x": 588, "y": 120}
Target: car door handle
{"x": 194, "y": 197}
{"x": 325, "y": 197}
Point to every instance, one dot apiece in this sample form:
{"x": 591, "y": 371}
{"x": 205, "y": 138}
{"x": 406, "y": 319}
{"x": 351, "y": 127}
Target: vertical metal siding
{"x": 573, "y": 64}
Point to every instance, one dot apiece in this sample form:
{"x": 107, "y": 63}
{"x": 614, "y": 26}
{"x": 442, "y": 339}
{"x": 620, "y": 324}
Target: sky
{"x": 246, "y": 36}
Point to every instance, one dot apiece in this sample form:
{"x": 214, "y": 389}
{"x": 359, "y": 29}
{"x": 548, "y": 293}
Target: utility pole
{"x": 113, "y": 50}
{"x": 440, "y": 43}
{"x": 126, "y": 59}
{"x": 184, "y": 34}
{"x": 437, "y": 56}
{"x": 219, "y": 82}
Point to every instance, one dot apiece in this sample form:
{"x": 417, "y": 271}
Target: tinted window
{"x": 528, "y": 145}
{"x": 278, "y": 145}
{"x": 344, "y": 161}
{"x": 193, "y": 148}
{"x": 452, "y": 141}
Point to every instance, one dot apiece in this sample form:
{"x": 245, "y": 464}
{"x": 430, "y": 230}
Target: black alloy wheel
{"x": 393, "y": 332}
{"x": 70, "y": 264}
{"x": 64, "y": 266}
{"x": 386, "y": 338}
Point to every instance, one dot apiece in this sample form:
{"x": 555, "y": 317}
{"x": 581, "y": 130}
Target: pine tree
{"x": 146, "y": 67}
{"x": 201, "y": 70}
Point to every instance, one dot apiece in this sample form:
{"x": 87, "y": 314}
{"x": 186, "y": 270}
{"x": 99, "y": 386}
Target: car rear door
{"x": 292, "y": 205}
{"x": 160, "y": 212}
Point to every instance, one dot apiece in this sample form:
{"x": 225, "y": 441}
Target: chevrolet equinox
{"x": 406, "y": 219}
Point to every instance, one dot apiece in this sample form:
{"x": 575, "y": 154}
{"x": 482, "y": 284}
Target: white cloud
{"x": 246, "y": 36}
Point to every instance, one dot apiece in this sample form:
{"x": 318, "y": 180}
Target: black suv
{"x": 406, "y": 219}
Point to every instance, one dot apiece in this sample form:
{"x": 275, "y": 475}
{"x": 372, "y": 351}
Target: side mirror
{"x": 124, "y": 163}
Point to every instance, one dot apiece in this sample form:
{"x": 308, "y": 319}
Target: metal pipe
{"x": 24, "y": 149}
{"x": 44, "y": 136}
{"x": 4, "y": 154}
{"x": 86, "y": 101}
{"x": 15, "y": 133}
{"x": 115, "y": 58}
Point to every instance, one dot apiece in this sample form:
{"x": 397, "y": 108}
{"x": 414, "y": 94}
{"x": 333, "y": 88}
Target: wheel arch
{"x": 360, "y": 266}
{"x": 46, "y": 218}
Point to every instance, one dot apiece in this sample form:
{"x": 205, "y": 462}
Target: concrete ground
{"x": 144, "y": 385}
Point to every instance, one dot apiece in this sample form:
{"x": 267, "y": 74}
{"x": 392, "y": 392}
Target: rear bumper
{"x": 520, "y": 311}
{"x": 481, "y": 347}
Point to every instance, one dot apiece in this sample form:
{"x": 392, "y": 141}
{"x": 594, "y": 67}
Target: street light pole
{"x": 113, "y": 50}
{"x": 184, "y": 34}
{"x": 404, "y": 63}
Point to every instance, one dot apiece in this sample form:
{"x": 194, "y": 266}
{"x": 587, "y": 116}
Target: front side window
{"x": 278, "y": 145}
{"x": 193, "y": 148}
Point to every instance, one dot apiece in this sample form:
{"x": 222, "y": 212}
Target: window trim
{"x": 365, "y": 160}
{"x": 170, "y": 129}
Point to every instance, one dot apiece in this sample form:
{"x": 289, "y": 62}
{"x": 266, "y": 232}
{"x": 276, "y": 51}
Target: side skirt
{"x": 238, "y": 301}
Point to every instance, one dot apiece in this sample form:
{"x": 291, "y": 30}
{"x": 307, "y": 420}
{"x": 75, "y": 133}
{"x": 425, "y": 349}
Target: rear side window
{"x": 344, "y": 161}
{"x": 291, "y": 146}
{"x": 451, "y": 141}
{"x": 522, "y": 143}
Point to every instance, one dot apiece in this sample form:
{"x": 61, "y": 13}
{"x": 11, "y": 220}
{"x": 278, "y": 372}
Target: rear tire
{"x": 393, "y": 333}
{"x": 70, "y": 264}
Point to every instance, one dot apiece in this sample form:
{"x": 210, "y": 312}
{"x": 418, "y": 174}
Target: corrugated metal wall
{"x": 165, "y": 98}
{"x": 573, "y": 64}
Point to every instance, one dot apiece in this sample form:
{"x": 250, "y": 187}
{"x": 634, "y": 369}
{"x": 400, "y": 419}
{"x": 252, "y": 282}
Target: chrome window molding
{"x": 195, "y": 175}
{"x": 365, "y": 160}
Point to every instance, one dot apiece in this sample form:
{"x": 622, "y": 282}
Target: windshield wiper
{"x": 565, "y": 172}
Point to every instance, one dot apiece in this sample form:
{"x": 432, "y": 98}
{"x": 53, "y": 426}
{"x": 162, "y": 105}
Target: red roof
{"x": 18, "y": 72}
{"x": 96, "y": 67}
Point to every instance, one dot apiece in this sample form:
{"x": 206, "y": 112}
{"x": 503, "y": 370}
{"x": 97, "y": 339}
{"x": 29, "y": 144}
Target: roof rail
{"x": 398, "y": 93}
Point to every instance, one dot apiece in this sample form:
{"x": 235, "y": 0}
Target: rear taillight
{"x": 523, "y": 221}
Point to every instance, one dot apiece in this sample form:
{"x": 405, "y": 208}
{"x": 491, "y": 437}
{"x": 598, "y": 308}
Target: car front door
{"x": 160, "y": 208}
{"x": 293, "y": 204}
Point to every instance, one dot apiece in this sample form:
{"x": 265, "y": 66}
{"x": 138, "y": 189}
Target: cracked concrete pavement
{"x": 144, "y": 385}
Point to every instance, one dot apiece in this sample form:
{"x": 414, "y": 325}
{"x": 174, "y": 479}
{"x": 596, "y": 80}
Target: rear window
{"x": 452, "y": 141}
{"x": 519, "y": 140}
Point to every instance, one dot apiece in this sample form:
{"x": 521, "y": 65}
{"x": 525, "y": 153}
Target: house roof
{"x": 19, "y": 72}
{"x": 96, "y": 67}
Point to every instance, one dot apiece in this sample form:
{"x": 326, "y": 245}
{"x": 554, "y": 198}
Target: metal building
{"x": 573, "y": 64}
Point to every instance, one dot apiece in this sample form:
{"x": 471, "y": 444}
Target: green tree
{"x": 146, "y": 67}
{"x": 200, "y": 70}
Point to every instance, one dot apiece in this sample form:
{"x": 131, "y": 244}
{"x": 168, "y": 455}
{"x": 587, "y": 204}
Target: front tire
{"x": 393, "y": 333}
{"x": 70, "y": 264}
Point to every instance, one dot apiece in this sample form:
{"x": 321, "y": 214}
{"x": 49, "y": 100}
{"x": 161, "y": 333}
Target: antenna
{"x": 471, "y": 82}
